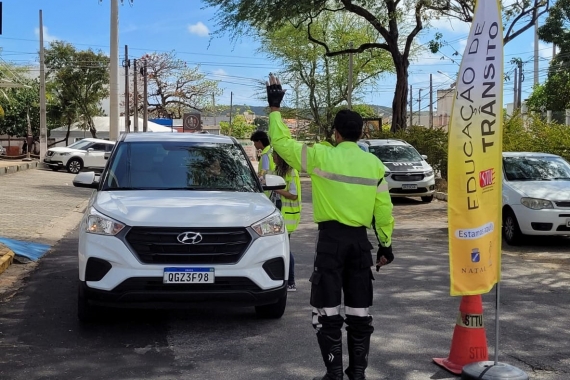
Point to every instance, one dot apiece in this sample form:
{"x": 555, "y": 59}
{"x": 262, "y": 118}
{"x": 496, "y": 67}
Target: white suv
{"x": 85, "y": 153}
{"x": 181, "y": 218}
{"x": 408, "y": 174}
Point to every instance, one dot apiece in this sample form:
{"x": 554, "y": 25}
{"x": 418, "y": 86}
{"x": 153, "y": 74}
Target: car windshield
{"x": 180, "y": 166}
{"x": 536, "y": 168}
{"x": 81, "y": 144}
{"x": 395, "y": 153}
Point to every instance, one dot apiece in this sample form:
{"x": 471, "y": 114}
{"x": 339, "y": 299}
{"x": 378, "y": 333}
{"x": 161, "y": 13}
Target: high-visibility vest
{"x": 267, "y": 151}
{"x": 348, "y": 184}
{"x": 291, "y": 209}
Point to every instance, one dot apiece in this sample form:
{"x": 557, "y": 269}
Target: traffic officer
{"x": 349, "y": 195}
{"x": 261, "y": 142}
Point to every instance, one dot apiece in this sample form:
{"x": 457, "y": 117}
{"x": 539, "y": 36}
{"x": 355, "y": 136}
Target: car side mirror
{"x": 107, "y": 155}
{"x": 424, "y": 156}
{"x": 86, "y": 179}
{"x": 274, "y": 182}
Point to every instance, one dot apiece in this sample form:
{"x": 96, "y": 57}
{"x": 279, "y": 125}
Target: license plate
{"x": 188, "y": 276}
{"x": 409, "y": 187}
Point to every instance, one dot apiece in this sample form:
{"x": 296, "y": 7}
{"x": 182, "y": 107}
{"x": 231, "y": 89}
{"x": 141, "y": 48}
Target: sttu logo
{"x": 475, "y": 255}
{"x": 486, "y": 178}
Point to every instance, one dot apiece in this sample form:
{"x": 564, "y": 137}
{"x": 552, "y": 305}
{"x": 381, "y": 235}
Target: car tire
{"x": 54, "y": 168}
{"x": 74, "y": 165}
{"x": 85, "y": 311}
{"x": 511, "y": 230}
{"x": 427, "y": 199}
{"x": 272, "y": 311}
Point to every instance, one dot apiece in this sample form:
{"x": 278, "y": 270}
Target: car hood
{"x": 407, "y": 166}
{"x": 184, "y": 208}
{"x": 63, "y": 149}
{"x": 551, "y": 190}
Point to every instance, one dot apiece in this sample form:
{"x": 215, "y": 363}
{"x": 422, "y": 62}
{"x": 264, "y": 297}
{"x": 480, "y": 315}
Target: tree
{"x": 78, "y": 81}
{"x": 19, "y": 104}
{"x": 321, "y": 82}
{"x": 239, "y": 128}
{"x": 173, "y": 87}
{"x": 388, "y": 17}
{"x": 262, "y": 123}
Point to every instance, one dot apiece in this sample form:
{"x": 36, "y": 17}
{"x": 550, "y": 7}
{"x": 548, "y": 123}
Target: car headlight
{"x": 64, "y": 154}
{"x": 536, "y": 203}
{"x": 428, "y": 173}
{"x": 387, "y": 173}
{"x": 102, "y": 225}
{"x": 272, "y": 225}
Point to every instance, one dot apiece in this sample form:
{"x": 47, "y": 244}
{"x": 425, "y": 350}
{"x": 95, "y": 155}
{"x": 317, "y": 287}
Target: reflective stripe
{"x": 304, "y": 158}
{"x": 346, "y": 178}
{"x": 291, "y": 222}
{"x": 329, "y": 311}
{"x": 290, "y": 203}
{"x": 382, "y": 187}
{"x": 356, "y": 311}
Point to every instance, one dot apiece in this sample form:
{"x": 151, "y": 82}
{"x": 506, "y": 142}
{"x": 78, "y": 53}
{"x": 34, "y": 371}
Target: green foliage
{"x": 19, "y": 104}
{"x": 553, "y": 94}
{"x": 239, "y": 128}
{"x": 77, "y": 81}
{"x": 262, "y": 123}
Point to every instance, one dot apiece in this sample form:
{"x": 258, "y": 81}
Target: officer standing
{"x": 349, "y": 195}
{"x": 261, "y": 142}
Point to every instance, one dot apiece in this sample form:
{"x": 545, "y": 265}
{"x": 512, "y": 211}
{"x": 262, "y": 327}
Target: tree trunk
{"x": 400, "y": 102}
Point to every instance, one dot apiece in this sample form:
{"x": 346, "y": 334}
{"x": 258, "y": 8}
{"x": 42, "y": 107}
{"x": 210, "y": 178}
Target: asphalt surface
{"x": 414, "y": 317}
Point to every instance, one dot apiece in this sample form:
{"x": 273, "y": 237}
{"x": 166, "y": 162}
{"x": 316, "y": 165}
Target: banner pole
{"x": 497, "y": 303}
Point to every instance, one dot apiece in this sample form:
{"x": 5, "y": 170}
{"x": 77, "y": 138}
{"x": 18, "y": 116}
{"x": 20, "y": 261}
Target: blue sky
{"x": 185, "y": 27}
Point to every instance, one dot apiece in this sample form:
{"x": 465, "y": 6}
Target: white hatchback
{"x": 85, "y": 153}
{"x": 181, "y": 218}
{"x": 536, "y": 195}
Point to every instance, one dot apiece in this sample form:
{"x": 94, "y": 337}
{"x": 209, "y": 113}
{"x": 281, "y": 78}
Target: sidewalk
{"x": 13, "y": 166}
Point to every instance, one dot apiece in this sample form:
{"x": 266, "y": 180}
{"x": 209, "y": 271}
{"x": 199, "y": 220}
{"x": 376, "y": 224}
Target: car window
{"x": 180, "y": 165}
{"x": 109, "y": 147}
{"x": 395, "y": 153}
{"x": 80, "y": 145}
{"x": 536, "y": 168}
{"x": 98, "y": 147}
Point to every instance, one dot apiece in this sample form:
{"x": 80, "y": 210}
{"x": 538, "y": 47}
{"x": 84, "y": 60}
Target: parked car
{"x": 85, "y": 153}
{"x": 536, "y": 195}
{"x": 2, "y": 151}
{"x": 408, "y": 174}
{"x": 181, "y": 218}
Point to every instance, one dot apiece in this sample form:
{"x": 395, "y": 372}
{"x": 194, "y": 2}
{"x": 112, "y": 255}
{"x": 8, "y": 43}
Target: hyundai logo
{"x": 189, "y": 237}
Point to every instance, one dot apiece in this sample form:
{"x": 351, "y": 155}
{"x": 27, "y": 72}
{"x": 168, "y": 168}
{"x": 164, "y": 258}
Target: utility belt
{"x": 334, "y": 225}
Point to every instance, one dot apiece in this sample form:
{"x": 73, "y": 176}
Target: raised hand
{"x": 275, "y": 92}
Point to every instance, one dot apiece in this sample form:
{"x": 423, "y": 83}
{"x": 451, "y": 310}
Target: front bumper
{"x": 53, "y": 163}
{"x": 554, "y": 221}
{"x": 424, "y": 187}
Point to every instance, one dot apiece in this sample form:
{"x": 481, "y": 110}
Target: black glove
{"x": 275, "y": 92}
{"x": 387, "y": 253}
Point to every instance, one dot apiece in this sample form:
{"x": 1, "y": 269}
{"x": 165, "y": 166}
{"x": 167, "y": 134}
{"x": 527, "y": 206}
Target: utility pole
{"x": 214, "y": 106}
{"x": 411, "y": 105}
{"x": 297, "y": 108}
{"x": 420, "y": 106}
{"x": 516, "y": 90}
{"x": 145, "y": 97}
{"x": 536, "y": 52}
{"x": 126, "y": 64}
{"x": 114, "y": 73}
{"x": 231, "y": 110}
{"x": 521, "y": 79}
{"x": 350, "y": 68}
{"x": 43, "y": 121}
{"x": 135, "y": 98}
{"x": 430, "y": 101}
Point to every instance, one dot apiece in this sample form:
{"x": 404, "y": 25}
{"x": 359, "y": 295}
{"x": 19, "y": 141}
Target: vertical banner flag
{"x": 475, "y": 157}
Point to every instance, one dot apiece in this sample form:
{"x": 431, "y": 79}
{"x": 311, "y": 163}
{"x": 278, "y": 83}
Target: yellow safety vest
{"x": 267, "y": 151}
{"x": 291, "y": 209}
{"x": 348, "y": 183}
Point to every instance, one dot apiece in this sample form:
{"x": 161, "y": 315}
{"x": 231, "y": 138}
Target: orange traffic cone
{"x": 469, "y": 342}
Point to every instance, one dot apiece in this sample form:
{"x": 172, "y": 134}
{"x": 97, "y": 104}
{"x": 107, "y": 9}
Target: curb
{"x": 440, "y": 196}
{"x": 19, "y": 167}
{"x": 6, "y": 257}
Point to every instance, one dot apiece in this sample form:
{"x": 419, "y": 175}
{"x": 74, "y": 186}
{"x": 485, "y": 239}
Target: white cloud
{"x": 47, "y": 36}
{"x": 199, "y": 29}
{"x": 450, "y": 24}
{"x": 219, "y": 72}
{"x": 544, "y": 50}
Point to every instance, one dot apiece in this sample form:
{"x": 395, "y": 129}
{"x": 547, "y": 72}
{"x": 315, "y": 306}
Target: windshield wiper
{"x": 561, "y": 178}
{"x": 127, "y": 188}
{"x": 531, "y": 179}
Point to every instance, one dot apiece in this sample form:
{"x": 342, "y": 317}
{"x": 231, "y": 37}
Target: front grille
{"x": 407, "y": 177}
{"x": 153, "y": 284}
{"x": 563, "y": 204}
{"x": 159, "y": 245}
{"x": 563, "y": 228}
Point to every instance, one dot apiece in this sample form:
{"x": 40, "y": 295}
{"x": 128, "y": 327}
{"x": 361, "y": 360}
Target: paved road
{"x": 414, "y": 317}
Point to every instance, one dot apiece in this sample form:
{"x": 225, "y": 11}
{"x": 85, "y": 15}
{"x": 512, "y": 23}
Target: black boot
{"x": 358, "y": 330}
{"x": 331, "y": 349}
